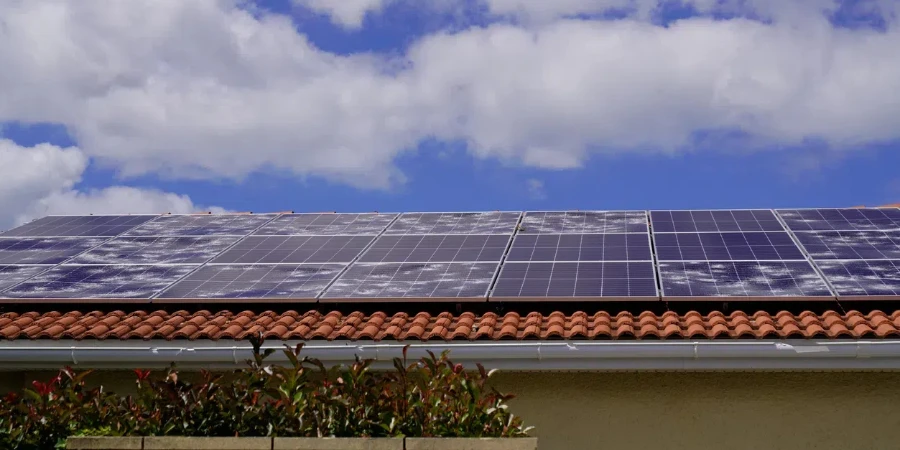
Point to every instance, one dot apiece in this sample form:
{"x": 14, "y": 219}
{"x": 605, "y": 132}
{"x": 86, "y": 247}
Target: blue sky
{"x": 767, "y": 154}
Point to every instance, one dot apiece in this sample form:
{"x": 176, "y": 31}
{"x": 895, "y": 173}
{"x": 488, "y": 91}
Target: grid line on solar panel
{"x": 750, "y": 280}
{"x": 583, "y": 222}
{"x": 156, "y": 250}
{"x": 437, "y": 248}
{"x": 43, "y": 250}
{"x": 863, "y": 280}
{"x": 294, "y": 249}
{"x": 848, "y": 219}
{"x": 702, "y": 221}
{"x": 202, "y": 225}
{"x": 870, "y": 245}
{"x": 412, "y": 281}
{"x": 730, "y": 246}
{"x": 533, "y": 281}
{"x": 78, "y": 226}
{"x": 580, "y": 247}
{"x": 455, "y": 223}
{"x": 327, "y": 224}
{"x": 275, "y": 282}
{"x": 12, "y": 275}
{"x": 88, "y": 283}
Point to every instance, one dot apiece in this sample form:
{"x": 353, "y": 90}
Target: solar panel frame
{"x": 489, "y": 269}
{"x": 661, "y": 224}
{"x": 850, "y": 245}
{"x": 527, "y": 226}
{"x": 793, "y": 220}
{"x": 157, "y": 227}
{"x": 664, "y": 280}
{"x": 57, "y": 225}
{"x": 292, "y": 228}
{"x": 520, "y": 245}
{"x": 29, "y": 256}
{"x": 400, "y": 226}
{"x": 845, "y": 289}
{"x": 226, "y": 257}
{"x": 563, "y": 266}
{"x": 408, "y": 238}
{"x": 145, "y": 250}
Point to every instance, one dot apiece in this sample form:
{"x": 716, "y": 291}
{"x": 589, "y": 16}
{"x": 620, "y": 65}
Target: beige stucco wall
{"x": 696, "y": 411}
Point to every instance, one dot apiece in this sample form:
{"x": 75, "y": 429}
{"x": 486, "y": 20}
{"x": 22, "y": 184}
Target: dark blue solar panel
{"x": 259, "y": 281}
{"x": 428, "y": 281}
{"x": 863, "y": 279}
{"x": 78, "y": 226}
{"x": 584, "y": 280}
{"x": 326, "y": 224}
{"x": 581, "y": 247}
{"x": 437, "y": 248}
{"x": 841, "y": 219}
{"x": 710, "y": 220}
{"x": 13, "y": 275}
{"x": 771, "y": 246}
{"x": 851, "y": 244}
{"x": 99, "y": 282}
{"x": 692, "y": 280}
{"x": 51, "y": 250}
{"x": 584, "y": 222}
{"x": 295, "y": 249}
{"x": 455, "y": 223}
{"x": 156, "y": 250}
{"x": 201, "y": 225}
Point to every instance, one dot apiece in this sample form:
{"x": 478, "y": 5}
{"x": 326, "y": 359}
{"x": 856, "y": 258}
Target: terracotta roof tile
{"x": 446, "y": 326}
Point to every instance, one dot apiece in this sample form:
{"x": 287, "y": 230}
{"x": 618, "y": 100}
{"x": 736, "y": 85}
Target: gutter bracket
{"x": 74, "y": 361}
{"x": 696, "y": 350}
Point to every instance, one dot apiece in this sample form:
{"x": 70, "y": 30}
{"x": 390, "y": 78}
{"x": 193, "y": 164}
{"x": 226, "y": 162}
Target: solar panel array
{"x": 844, "y": 254}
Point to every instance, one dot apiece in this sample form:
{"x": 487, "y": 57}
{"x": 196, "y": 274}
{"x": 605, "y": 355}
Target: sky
{"x": 152, "y": 106}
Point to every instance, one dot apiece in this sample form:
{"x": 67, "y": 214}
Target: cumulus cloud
{"x": 349, "y": 13}
{"x": 536, "y": 189}
{"x": 40, "y": 180}
{"x": 205, "y": 89}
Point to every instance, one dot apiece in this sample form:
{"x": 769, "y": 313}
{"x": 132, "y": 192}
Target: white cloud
{"x": 349, "y": 13}
{"x": 37, "y": 181}
{"x": 536, "y": 189}
{"x": 205, "y": 89}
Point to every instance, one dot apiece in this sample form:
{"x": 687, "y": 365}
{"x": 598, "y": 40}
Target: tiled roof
{"x": 466, "y": 326}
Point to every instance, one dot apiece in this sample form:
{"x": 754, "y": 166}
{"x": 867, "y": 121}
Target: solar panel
{"x": 427, "y": 281}
{"x": 755, "y": 246}
{"x": 47, "y": 250}
{"x": 156, "y": 250}
{"x": 841, "y": 219}
{"x": 714, "y": 220}
{"x": 576, "y": 281}
{"x": 259, "y": 281}
{"x": 326, "y": 224}
{"x": 437, "y": 248}
{"x": 863, "y": 280}
{"x": 87, "y": 283}
{"x": 455, "y": 223}
{"x": 201, "y": 225}
{"x": 13, "y": 275}
{"x": 294, "y": 249}
{"x": 78, "y": 226}
{"x": 749, "y": 280}
{"x": 581, "y": 247}
{"x": 584, "y": 222}
{"x": 851, "y": 244}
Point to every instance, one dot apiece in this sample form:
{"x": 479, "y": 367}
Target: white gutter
{"x": 529, "y": 355}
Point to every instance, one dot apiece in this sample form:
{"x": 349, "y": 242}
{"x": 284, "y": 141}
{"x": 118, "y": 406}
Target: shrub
{"x": 432, "y": 397}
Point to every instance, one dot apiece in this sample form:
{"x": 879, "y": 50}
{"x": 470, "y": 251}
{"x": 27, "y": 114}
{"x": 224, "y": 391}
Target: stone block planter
{"x": 471, "y": 444}
{"x": 226, "y": 443}
{"x": 104, "y": 443}
{"x": 338, "y": 444}
{"x": 207, "y": 443}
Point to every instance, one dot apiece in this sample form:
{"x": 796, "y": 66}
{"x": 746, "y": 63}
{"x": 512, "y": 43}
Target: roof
{"x": 467, "y": 326}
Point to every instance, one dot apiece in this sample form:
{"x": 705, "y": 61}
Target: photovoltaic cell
{"x": 428, "y": 281}
{"x": 575, "y": 280}
{"x": 455, "y": 223}
{"x": 294, "y": 249}
{"x": 258, "y": 281}
{"x": 714, "y": 220}
{"x": 841, "y": 219}
{"x": 863, "y": 279}
{"x": 437, "y": 248}
{"x": 752, "y": 280}
{"x": 157, "y": 250}
{"x": 756, "y": 246}
{"x": 326, "y": 224}
{"x": 86, "y": 283}
{"x": 49, "y": 250}
{"x": 851, "y": 244}
{"x": 12, "y": 275}
{"x": 584, "y": 222}
{"x": 201, "y": 225}
{"x": 78, "y": 226}
{"x": 581, "y": 247}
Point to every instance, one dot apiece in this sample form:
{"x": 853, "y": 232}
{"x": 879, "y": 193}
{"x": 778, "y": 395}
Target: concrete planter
{"x": 225, "y": 443}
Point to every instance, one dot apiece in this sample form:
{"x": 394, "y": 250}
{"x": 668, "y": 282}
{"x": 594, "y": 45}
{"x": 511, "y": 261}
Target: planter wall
{"x": 201, "y": 443}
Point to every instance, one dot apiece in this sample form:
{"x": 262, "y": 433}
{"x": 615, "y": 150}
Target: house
{"x": 716, "y": 371}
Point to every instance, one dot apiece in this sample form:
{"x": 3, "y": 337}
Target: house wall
{"x": 673, "y": 411}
